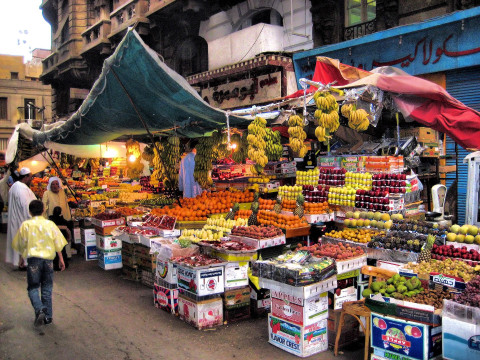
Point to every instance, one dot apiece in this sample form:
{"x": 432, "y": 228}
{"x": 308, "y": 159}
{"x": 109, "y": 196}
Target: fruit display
{"x": 280, "y": 220}
{"x": 309, "y": 177}
{"x": 274, "y": 148}
{"x": 266, "y": 204}
{"x": 198, "y": 235}
{"x": 372, "y": 200}
{"x": 357, "y": 235}
{"x": 240, "y": 153}
{"x": 299, "y": 209}
{"x": 244, "y": 214}
{"x": 332, "y": 176}
{"x": 108, "y": 216}
{"x": 126, "y": 211}
{"x": 95, "y": 197}
{"x": 288, "y": 205}
{"x": 278, "y": 206}
{"x": 326, "y": 115}
{"x": 358, "y": 119}
{"x": 257, "y": 144}
{"x": 262, "y": 179}
{"x": 334, "y": 251}
{"x": 344, "y": 196}
{"x": 398, "y": 240}
{"x": 257, "y": 232}
{"x": 160, "y": 201}
{"x": 315, "y": 194}
{"x": 252, "y": 219}
{"x": 468, "y": 234}
{"x": 372, "y": 224}
{"x": 196, "y": 261}
{"x": 317, "y": 208}
{"x": 231, "y": 214}
{"x": 449, "y": 266}
{"x": 134, "y": 157}
{"x": 297, "y": 135}
{"x": 442, "y": 252}
{"x": 131, "y": 197}
{"x": 224, "y": 224}
{"x": 203, "y": 162}
{"x": 232, "y": 245}
{"x": 397, "y": 287}
{"x": 138, "y": 230}
{"x": 163, "y": 222}
{"x": 358, "y": 180}
{"x": 421, "y": 227}
{"x": 289, "y": 192}
{"x": 433, "y": 297}
{"x": 471, "y": 295}
{"x": 391, "y": 183}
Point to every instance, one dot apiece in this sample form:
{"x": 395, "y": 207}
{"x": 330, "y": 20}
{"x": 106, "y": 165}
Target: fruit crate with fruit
{"x": 107, "y": 222}
{"x": 260, "y": 243}
{"x": 344, "y": 266}
{"x": 224, "y": 250}
{"x": 304, "y": 292}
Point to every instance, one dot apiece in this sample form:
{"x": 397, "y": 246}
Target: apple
{"x": 451, "y": 236}
{"x": 469, "y": 239}
{"x": 464, "y": 229}
{"x": 455, "y": 228}
{"x": 473, "y": 230}
{"x": 460, "y": 238}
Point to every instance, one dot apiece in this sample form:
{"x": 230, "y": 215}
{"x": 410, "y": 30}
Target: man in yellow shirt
{"x": 37, "y": 240}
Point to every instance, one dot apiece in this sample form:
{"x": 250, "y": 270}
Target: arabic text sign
{"x": 245, "y": 92}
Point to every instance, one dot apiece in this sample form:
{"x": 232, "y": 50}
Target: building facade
{"x": 23, "y": 98}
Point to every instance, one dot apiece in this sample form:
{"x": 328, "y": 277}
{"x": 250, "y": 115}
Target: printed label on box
{"x": 314, "y": 309}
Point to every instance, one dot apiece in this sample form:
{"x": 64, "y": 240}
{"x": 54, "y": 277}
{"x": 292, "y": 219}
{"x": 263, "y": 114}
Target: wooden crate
{"x": 236, "y": 314}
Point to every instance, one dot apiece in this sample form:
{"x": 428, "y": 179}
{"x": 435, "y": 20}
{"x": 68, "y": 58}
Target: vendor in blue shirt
{"x": 186, "y": 181}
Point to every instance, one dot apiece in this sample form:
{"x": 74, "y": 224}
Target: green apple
{"x": 356, "y": 215}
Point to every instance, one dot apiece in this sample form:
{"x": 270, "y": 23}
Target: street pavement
{"x": 100, "y": 315}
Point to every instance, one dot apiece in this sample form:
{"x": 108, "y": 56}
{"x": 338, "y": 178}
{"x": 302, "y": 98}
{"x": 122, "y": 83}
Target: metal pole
{"x": 152, "y": 138}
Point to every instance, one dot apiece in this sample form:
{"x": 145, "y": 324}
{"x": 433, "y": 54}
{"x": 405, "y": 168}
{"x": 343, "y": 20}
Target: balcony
{"x": 237, "y": 46}
{"x": 156, "y": 5}
{"x": 95, "y": 38}
{"x": 359, "y": 30}
{"x": 130, "y": 13}
{"x": 49, "y": 67}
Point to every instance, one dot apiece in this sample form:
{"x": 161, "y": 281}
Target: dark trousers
{"x": 40, "y": 284}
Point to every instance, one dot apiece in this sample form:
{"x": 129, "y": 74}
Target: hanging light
{"x": 132, "y": 158}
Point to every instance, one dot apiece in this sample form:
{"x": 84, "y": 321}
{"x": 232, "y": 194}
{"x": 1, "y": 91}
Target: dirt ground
{"x": 100, "y": 315}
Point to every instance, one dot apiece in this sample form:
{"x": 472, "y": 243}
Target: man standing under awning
{"x": 186, "y": 181}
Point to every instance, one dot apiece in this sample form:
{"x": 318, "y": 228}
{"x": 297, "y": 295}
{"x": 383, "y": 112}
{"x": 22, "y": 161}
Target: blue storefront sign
{"x": 439, "y": 44}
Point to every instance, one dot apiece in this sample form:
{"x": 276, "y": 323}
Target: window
{"x": 14, "y": 75}
{"x": 3, "y": 108}
{"x": 360, "y": 11}
{"x": 30, "y": 110}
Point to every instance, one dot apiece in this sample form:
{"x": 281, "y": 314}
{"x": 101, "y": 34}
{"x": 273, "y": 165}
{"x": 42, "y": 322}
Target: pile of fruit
{"x": 288, "y": 205}
{"x": 126, "y": 211}
{"x": 471, "y": 295}
{"x": 326, "y": 115}
{"x": 357, "y": 235}
{"x": 358, "y": 180}
{"x": 159, "y": 201}
{"x": 232, "y": 245}
{"x": 108, "y": 216}
{"x": 163, "y": 222}
{"x": 297, "y": 135}
{"x": 130, "y": 197}
{"x": 467, "y": 234}
{"x": 397, "y": 287}
{"x": 315, "y": 194}
{"x": 317, "y": 208}
{"x": 309, "y": 177}
{"x": 448, "y": 267}
{"x": 334, "y": 251}
{"x": 442, "y": 252}
{"x": 274, "y": 148}
{"x": 196, "y": 261}
{"x": 399, "y": 240}
{"x": 421, "y": 227}
{"x": 197, "y": 235}
{"x": 244, "y": 214}
{"x": 344, "y": 196}
{"x": 257, "y": 232}
{"x": 257, "y": 144}
{"x": 280, "y": 220}
{"x": 289, "y": 192}
{"x": 266, "y": 204}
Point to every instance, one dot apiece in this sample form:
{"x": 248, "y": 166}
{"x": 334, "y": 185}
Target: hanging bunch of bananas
{"x": 158, "y": 173}
{"x": 134, "y": 165}
{"x": 297, "y": 135}
{"x": 240, "y": 153}
{"x": 257, "y": 144}
{"x": 220, "y": 145}
{"x": 203, "y": 162}
{"x": 148, "y": 154}
{"x": 171, "y": 160}
{"x": 274, "y": 149}
{"x": 326, "y": 114}
{"x": 357, "y": 118}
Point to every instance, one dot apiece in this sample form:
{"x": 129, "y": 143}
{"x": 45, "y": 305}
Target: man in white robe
{"x": 19, "y": 198}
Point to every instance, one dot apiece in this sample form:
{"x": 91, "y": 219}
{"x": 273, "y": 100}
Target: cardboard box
{"x": 166, "y": 270}
{"x": 88, "y": 237}
{"x": 110, "y": 259}
{"x": 201, "y": 314}
{"x": 201, "y": 282}
{"x": 297, "y": 310}
{"x": 461, "y": 331}
{"x": 90, "y": 252}
{"x": 77, "y": 237}
{"x": 411, "y": 340}
{"x": 108, "y": 242}
{"x": 423, "y": 134}
{"x": 299, "y": 340}
{"x": 236, "y": 274}
{"x": 336, "y": 301}
{"x": 304, "y": 292}
{"x": 236, "y": 298}
{"x": 105, "y": 230}
{"x": 107, "y": 223}
{"x": 165, "y": 298}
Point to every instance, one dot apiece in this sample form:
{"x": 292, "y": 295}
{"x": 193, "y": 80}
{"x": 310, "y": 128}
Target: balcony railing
{"x": 97, "y": 36}
{"x": 156, "y": 5}
{"x": 359, "y": 30}
{"x": 128, "y": 14}
{"x": 49, "y": 63}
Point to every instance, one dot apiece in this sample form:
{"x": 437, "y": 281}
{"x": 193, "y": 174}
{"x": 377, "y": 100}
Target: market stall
{"x": 286, "y": 219}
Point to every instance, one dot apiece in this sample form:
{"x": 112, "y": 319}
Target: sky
{"x": 23, "y": 28}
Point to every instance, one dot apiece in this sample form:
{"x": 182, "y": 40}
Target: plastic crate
{"x": 236, "y": 314}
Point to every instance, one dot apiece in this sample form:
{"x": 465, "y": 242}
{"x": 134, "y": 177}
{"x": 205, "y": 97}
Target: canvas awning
{"x": 135, "y": 84}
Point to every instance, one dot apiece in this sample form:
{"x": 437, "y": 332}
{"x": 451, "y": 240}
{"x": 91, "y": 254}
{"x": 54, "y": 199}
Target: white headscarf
{"x": 52, "y": 179}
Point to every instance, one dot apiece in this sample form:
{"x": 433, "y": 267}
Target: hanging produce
{"x": 171, "y": 161}
{"x": 358, "y": 119}
{"x": 134, "y": 165}
{"x": 297, "y": 135}
{"x": 274, "y": 148}
{"x": 158, "y": 173}
{"x": 326, "y": 114}
{"x": 203, "y": 162}
{"x": 220, "y": 145}
{"x": 257, "y": 144}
